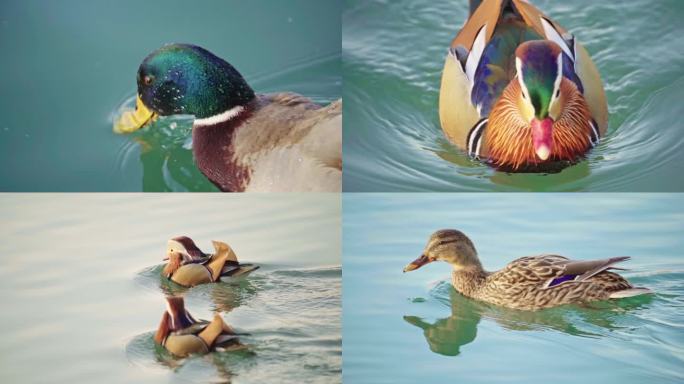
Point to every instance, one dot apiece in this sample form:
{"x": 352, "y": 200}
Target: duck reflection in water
{"x": 447, "y": 335}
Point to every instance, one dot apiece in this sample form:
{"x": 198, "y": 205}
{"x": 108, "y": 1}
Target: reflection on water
{"x": 268, "y": 289}
{"x": 447, "y": 335}
{"x": 225, "y": 296}
{"x": 143, "y": 351}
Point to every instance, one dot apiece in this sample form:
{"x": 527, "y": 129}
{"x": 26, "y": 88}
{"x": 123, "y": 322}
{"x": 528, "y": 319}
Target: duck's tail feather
{"x": 242, "y": 270}
{"x": 589, "y": 268}
{"x": 636, "y": 291}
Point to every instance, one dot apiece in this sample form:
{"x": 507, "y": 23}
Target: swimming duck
{"x": 182, "y": 335}
{"x": 518, "y": 91}
{"x": 241, "y": 141}
{"x": 528, "y": 283}
{"x": 189, "y": 266}
{"x": 190, "y": 252}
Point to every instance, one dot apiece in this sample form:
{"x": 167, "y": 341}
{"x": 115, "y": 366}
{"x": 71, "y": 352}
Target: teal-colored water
{"x": 81, "y": 293}
{"x": 393, "y": 52}
{"x": 67, "y": 67}
{"x": 413, "y": 327}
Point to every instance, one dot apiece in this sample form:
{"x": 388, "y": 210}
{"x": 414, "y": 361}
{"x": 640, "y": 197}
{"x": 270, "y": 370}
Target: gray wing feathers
{"x": 589, "y": 268}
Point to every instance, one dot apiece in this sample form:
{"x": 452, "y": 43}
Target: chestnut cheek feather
{"x": 508, "y": 134}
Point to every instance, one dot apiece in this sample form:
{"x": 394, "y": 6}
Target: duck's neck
{"x": 212, "y": 147}
{"x": 468, "y": 280}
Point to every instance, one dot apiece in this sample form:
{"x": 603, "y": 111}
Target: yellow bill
{"x": 131, "y": 121}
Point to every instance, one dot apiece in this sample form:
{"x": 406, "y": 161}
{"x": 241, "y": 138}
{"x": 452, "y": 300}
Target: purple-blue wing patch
{"x": 489, "y": 84}
{"x": 569, "y": 72}
{"x": 561, "y": 279}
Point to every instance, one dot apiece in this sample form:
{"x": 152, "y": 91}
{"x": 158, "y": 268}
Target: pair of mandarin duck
{"x": 528, "y": 283}
{"x": 518, "y": 91}
{"x": 179, "y": 332}
{"x": 241, "y": 141}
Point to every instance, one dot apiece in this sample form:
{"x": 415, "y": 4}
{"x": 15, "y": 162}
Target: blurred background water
{"x": 81, "y": 293}
{"x": 393, "y": 53}
{"x": 67, "y": 67}
{"x": 413, "y": 327}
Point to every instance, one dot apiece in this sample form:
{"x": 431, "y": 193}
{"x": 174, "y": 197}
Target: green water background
{"x": 81, "y": 292}
{"x": 393, "y": 53}
{"x": 413, "y": 327}
{"x": 68, "y": 66}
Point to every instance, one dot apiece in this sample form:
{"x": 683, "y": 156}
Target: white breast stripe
{"x": 554, "y": 36}
{"x": 220, "y": 118}
{"x": 594, "y": 138}
{"x": 475, "y": 138}
{"x": 475, "y": 54}
{"x": 479, "y": 144}
{"x": 518, "y": 69}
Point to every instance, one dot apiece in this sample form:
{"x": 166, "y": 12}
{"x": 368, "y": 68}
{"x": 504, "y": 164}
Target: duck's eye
{"x": 557, "y": 93}
{"x": 524, "y": 96}
{"x": 148, "y": 79}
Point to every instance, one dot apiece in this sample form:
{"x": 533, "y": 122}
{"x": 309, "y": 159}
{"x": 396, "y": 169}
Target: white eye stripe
{"x": 523, "y": 87}
{"x": 559, "y": 76}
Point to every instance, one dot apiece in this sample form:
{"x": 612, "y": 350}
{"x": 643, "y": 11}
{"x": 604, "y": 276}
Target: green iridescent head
{"x": 187, "y": 79}
{"x": 539, "y": 67}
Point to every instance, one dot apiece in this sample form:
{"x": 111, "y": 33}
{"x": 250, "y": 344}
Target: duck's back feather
{"x": 536, "y": 282}
{"x": 294, "y": 145}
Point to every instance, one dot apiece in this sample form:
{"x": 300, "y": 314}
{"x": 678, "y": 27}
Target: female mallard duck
{"x": 519, "y": 91}
{"x": 189, "y": 266}
{"x": 240, "y": 141}
{"x": 182, "y": 335}
{"x": 529, "y": 283}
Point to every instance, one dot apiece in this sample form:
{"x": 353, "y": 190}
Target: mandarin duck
{"x": 189, "y": 266}
{"x": 241, "y": 141}
{"x": 528, "y": 283}
{"x": 182, "y": 335}
{"x": 518, "y": 91}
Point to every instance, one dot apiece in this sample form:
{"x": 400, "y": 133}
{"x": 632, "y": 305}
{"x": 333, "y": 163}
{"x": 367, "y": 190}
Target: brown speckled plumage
{"x": 528, "y": 283}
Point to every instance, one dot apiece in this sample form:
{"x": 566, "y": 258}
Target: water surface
{"x": 82, "y": 295}
{"x": 68, "y": 67}
{"x": 393, "y": 53}
{"x": 413, "y": 327}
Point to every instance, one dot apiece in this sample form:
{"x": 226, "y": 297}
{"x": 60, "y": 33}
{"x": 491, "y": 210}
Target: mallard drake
{"x": 189, "y": 266}
{"x": 528, "y": 283}
{"x": 182, "y": 335}
{"x": 518, "y": 91}
{"x": 241, "y": 141}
